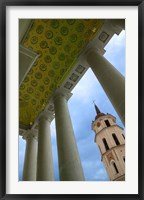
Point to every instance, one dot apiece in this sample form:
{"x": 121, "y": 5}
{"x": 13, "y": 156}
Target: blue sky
{"x": 82, "y": 113}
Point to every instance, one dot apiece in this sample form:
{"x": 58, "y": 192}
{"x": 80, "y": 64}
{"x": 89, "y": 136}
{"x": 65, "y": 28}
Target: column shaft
{"x": 30, "y": 162}
{"x": 70, "y": 167}
{"x": 110, "y": 79}
{"x": 44, "y": 161}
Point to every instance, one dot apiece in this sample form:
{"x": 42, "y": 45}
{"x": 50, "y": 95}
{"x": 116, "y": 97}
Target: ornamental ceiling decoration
{"x": 58, "y": 42}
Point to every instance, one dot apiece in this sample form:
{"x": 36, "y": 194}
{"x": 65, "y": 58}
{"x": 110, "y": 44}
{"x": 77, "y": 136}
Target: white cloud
{"x": 117, "y": 42}
{"x": 101, "y": 175}
{"x": 115, "y": 52}
{"x": 83, "y": 90}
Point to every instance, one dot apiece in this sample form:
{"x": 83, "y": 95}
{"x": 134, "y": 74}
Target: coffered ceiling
{"x": 58, "y": 43}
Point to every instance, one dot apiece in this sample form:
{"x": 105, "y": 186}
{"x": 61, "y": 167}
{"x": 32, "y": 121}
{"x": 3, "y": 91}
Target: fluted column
{"x": 30, "y": 162}
{"x": 45, "y": 160}
{"x": 70, "y": 167}
{"x": 110, "y": 79}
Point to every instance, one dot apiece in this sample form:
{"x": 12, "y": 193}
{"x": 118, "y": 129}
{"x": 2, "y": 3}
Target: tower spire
{"x": 97, "y": 109}
{"x": 98, "y": 112}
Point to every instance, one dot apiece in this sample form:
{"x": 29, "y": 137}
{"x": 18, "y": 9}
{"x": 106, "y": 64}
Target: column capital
{"x": 62, "y": 92}
{"x": 30, "y": 134}
{"x": 91, "y": 48}
{"x": 46, "y": 115}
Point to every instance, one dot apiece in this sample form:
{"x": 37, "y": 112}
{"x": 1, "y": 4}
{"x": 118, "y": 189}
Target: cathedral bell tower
{"x": 111, "y": 142}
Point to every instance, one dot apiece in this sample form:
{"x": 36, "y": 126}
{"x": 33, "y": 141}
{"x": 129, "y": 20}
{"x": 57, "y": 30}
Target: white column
{"x": 70, "y": 167}
{"x": 110, "y": 79}
{"x": 45, "y": 160}
{"x": 30, "y": 162}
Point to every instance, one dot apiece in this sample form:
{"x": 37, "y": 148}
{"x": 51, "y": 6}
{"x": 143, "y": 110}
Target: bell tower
{"x": 111, "y": 142}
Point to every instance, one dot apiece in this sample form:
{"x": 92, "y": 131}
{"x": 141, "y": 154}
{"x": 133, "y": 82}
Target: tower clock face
{"x": 98, "y": 124}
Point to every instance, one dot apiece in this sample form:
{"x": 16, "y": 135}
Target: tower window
{"x": 105, "y": 144}
{"x": 123, "y": 136}
{"x": 115, "y": 139}
{"x": 115, "y": 167}
{"x": 107, "y": 123}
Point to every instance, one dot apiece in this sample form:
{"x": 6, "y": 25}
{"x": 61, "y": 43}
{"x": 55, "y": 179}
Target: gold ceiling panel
{"x": 58, "y": 42}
